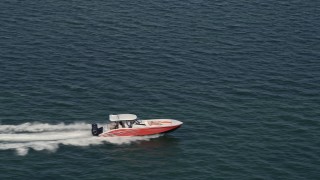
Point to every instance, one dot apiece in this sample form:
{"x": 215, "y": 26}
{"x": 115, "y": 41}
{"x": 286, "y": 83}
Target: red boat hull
{"x": 139, "y": 131}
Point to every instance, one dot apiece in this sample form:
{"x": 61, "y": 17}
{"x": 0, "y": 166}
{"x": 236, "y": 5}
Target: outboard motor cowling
{"x": 95, "y": 130}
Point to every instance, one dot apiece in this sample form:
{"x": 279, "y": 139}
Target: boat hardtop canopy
{"x": 122, "y": 117}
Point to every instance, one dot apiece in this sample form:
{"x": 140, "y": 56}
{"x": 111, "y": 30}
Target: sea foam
{"x": 48, "y": 137}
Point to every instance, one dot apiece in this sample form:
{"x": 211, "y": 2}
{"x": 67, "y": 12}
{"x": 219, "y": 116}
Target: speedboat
{"x": 130, "y": 125}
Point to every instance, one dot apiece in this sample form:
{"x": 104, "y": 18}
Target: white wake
{"x": 42, "y": 136}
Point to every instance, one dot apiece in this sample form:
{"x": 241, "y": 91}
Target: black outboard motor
{"x": 95, "y": 130}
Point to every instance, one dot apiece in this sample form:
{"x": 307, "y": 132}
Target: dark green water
{"x": 243, "y": 76}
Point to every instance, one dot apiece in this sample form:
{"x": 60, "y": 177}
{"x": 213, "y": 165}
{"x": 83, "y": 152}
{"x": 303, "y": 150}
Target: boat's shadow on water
{"x": 165, "y": 145}
{"x": 142, "y": 154}
{"x": 164, "y": 141}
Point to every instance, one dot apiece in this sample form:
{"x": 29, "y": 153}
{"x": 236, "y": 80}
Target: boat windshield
{"x": 138, "y": 122}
